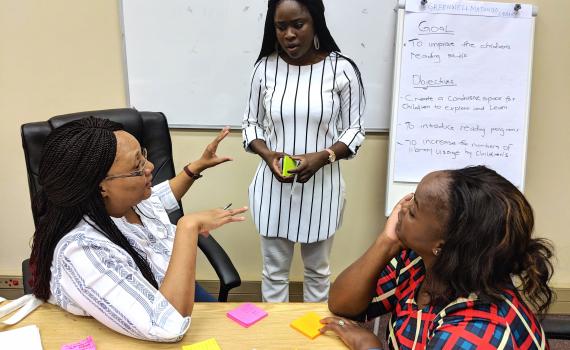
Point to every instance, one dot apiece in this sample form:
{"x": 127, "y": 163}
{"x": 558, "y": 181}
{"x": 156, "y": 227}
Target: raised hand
{"x": 209, "y": 157}
{"x": 392, "y": 222}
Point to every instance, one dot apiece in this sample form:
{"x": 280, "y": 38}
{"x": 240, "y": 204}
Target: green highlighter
{"x": 288, "y": 164}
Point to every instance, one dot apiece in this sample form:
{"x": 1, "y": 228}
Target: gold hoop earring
{"x": 316, "y": 42}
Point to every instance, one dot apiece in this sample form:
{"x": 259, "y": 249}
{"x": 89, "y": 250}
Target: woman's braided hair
{"x": 75, "y": 159}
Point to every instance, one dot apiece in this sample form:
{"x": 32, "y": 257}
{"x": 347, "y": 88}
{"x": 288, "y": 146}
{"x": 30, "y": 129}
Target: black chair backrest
{"x": 556, "y": 326}
{"x": 149, "y": 128}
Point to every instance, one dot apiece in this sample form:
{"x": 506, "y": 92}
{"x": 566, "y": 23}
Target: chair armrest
{"x": 556, "y": 326}
{"x": 216, "y": 255}
{"x": 227, "y": 273}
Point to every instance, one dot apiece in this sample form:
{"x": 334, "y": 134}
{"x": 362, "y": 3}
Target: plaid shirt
{"x": 466, "y": 323}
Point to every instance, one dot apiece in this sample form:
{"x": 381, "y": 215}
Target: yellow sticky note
{"x": 208, "y": 344}
{"x": 309, "y": 324}
{"x": 288, "y": 164}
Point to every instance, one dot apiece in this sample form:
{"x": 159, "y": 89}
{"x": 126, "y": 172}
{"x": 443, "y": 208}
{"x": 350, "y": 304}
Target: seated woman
{"x": 104, "y": 246}
{"x": 450, "y": 265}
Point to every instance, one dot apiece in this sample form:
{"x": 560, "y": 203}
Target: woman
{"x": 306, "y": 100}
{"x": 104, "y": 246}
{"x": 450, "y": 265}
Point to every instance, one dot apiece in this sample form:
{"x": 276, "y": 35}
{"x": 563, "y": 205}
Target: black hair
{"x": 327, "y": 44}
{"x": 488, "y": 241}
{"x": 75, "y": 159}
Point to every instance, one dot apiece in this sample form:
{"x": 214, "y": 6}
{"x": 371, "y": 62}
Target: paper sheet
{"x": 27, "y": 337}
{"x": 26, "y": 304}
{"x": 463, "y": 91}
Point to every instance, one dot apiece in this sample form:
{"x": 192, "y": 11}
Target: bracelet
{"x": 332, "y": 155}
{"x": 191, "y": 174}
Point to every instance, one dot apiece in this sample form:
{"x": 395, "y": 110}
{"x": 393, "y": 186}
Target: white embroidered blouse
{"x": 91, "y": 276}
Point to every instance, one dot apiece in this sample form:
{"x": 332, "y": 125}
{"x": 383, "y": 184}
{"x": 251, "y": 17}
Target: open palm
{"x": 209, "y": 157}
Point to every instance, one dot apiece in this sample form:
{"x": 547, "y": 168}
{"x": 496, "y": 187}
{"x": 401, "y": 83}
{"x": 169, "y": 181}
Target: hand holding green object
{"x": 288, "y": 164}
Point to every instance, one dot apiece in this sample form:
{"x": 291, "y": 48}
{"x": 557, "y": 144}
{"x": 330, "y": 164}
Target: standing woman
{"x": 306, "y": 100}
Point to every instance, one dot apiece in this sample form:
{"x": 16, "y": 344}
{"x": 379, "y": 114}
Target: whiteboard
{"x": 462, "y": 77}
{"x": 193, "y": 59}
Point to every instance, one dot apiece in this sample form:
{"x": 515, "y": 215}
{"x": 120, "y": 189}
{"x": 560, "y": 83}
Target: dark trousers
{"x": 202, "y": 296}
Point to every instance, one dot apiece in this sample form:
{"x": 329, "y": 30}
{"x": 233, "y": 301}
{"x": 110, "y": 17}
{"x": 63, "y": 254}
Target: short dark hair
{"x": 75, "y": 159}
{"x": 488, "y": 240}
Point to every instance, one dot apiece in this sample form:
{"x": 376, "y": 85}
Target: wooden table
{"x": 209, "y": 320}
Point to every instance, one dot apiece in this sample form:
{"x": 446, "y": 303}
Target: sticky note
{"x": 208, "y": 344}
{"x": 288, "y": 164}
{"x": 84, "y": 344}
{"x": 308, "y": 324}
{"x": 246, "y": 314}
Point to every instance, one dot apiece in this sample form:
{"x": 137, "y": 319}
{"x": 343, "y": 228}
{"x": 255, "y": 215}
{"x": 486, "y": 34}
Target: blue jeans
{"x": 201, "y": 295}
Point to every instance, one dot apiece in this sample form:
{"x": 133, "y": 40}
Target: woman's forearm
{"x": 340, "y": 150}
{"x": 260, "y": 148}
{"x": 178, "y": 284}
{"x": 354, "y": 287}
{"x": 180, "y": 184}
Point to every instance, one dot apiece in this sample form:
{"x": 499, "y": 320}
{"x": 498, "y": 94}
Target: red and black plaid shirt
{"x": 466, "y": 323}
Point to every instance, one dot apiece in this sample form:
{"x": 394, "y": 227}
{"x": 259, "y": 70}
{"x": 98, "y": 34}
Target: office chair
{"x": 151, "y": 130}
{"x": 556, "y": 326}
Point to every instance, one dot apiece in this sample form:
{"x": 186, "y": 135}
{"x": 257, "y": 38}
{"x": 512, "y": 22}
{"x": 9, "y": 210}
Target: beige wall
{"x": 55, "y": 57}
{"x": 66, "y": 57}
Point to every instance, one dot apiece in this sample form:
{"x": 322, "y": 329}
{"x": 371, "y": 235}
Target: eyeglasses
{"x": 138, "y": 172}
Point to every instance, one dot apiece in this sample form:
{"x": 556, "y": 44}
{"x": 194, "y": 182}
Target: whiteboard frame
{"x": 395, "y": 190}
{"x": 376, "y": 129}
{"x": 124, "y": 54}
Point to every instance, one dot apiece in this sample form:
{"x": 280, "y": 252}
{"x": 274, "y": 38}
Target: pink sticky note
{"x": 247, "y": 314}
{"x": 85, "y": 344}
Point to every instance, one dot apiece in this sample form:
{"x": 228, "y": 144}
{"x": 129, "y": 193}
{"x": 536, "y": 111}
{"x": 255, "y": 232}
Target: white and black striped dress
{"x": 298, "y": 110}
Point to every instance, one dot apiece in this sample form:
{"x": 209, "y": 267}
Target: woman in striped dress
{"x": 306, "y": 100}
